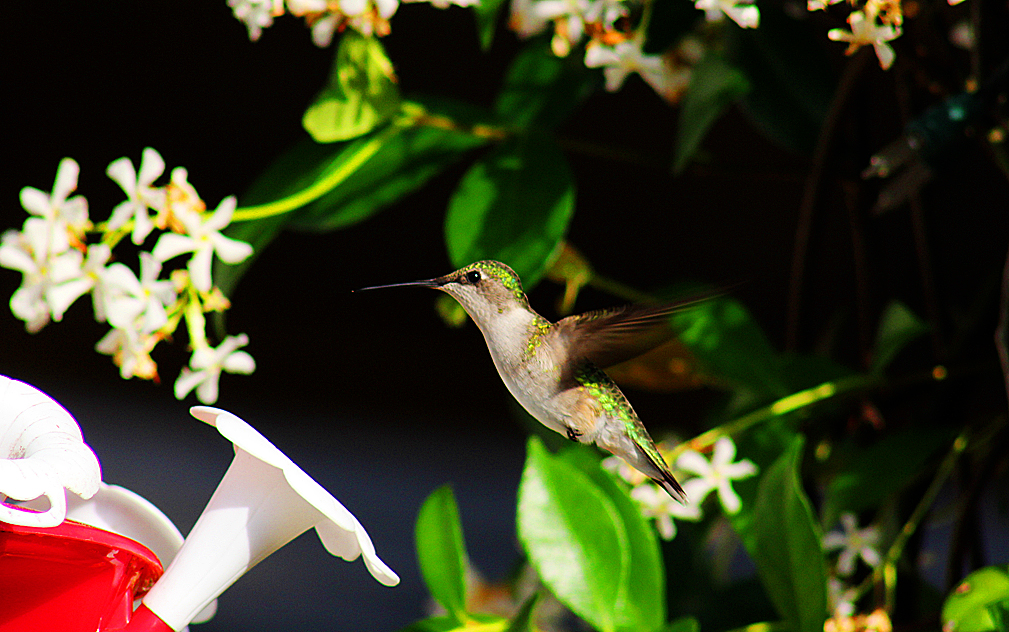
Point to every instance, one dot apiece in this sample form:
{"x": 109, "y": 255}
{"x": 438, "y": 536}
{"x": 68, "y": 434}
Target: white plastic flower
{"x": 130, "y": 299}
{"x": 42, "y": 452}
{"x": 57, "y": 207}
{"x": 206, "y": 364}
{"x": 264, "y": 501}
{"x": 140, "y": 193}
{"x": 866, "y": 32}
{"x": 742, "y": 12}
{"x": 45, "y": 260}
{"x": 656, "y": 503}
{"x": 203, "y": 240}
{"x": 854, "y": 543}
{"x": 716, "y": 475}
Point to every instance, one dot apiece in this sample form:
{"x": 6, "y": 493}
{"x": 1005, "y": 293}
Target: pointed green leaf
{"x": 542, "y": 88}
{"x": 525, "y": 620}
{"x": 714, "y": 85}
{"x": 574, "y": 538}
{"x": 897, "y": 327}
{"x": 441, "y": 551}
{"x": 514, "y": 205}
{"x": 683, "y": 624}
{"x": 646, "y": 594}
{"x": 361, "y": 93}
{"x": 786, "y": 545}
{"x": 980, "y": 603}
{"x": 487, "y": 13}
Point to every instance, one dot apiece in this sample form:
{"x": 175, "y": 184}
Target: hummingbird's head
{"x": 485, "y": 289}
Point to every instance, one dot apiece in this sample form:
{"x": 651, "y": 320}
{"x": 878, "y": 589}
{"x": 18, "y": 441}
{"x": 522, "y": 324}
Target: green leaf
{"x": 487, "y": 12}
{"x": 524, "y": 621}
{"x": 882, "y": 469}
{"x": 897, "y": 327}
{"x": 714, "y": 85}
{"x": 683, "y": 624}
{"x": 514, "y": 205}
{"x": 574, "y": 538}
{"x": 441, "y": 551}
{"x": 786, "y": 545}
{"x": 730, "y": 345}
{"x": 486, "y": 622}
{"x": 980, "y": 603}
{"x": 543, "y": 89}
{"x": 792, "y": 80}
{"x": 646, "y": 594}
{"x": 361, "y": 93}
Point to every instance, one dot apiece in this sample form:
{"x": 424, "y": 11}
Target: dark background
{"x": 371, "y": 393}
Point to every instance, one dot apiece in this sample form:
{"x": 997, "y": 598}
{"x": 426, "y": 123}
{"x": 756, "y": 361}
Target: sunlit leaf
{"x": 574, "y": 538}
{"x": 786, "y": 545}
{"x": 450, "y": 624}
{"x": 714, "y": 85}
{"x": 441, "y": 552}
{"x": 361, "y": 93}
{"x": 897, "y": 327}
{"x": 979, "y": 603}
{"x": 514, "y": 205}
{"x": 646, "y": 595}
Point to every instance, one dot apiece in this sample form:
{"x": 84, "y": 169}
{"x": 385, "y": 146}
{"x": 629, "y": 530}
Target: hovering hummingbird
{"x": 553, "y": 369}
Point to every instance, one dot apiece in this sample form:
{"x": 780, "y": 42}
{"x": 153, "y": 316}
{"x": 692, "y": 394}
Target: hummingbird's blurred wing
{"x": 611, "y": 336}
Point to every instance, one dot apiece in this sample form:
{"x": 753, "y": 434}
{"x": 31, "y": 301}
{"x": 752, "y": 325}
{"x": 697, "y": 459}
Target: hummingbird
{"x": 554, "y": 369}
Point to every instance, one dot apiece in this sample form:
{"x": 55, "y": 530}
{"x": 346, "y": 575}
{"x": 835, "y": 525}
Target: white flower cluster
{"x": 854, "y": 543}
{"x": 715, "y": 475}
{"x": 325, "y": 17}
{"x": 59, "y": 265}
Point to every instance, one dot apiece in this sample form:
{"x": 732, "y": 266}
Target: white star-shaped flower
{"x": 626, "y": 57}
{"x": 42, "y": 254}
{"x": 742, "y": 12}
{"x": 656, "y": 503}
{"x": 58, "y": 207}
{"x": 203, "y": 240}
{"x": 140, "y": 193}
{"x": 854, "y": 543}
{"x": 206, "y": 364}
{"x": 133, "y": 302}
{"x": 61, "y": 296}
{"x": 716, "y": 475}
{"x": 866, "y": 32}
{"x": 256, "y": 14}
{"x": 131, "y": 352}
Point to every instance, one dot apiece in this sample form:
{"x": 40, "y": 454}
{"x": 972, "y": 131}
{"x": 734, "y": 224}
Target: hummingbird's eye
{"x": 473, "y": 277}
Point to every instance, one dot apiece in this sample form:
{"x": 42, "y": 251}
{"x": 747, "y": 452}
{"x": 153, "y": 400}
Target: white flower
{"x": 742, "y": 12}
{"x": 841, "y": 598}
{"x": 854, "y": 543}
{"x": 139, "y": 192}
{"x": 716, "y": 475}
{"x": 256, "y": 14}
{"x": 45, "y": 260}
{"x": 88, "y": 277}
{"x": 71, "y": 213}
{"x": 129, "y": 298}
{"x": 131, "y": 352}
{"x": 626, "y": 57}
{"x": 264, "y": 501}
{"x": 41, "y": 453}
{"x": 525, "y": 20}
{"x": 203, "y": 240}
{"x": 206, "y": 364}
{"x": 865, "y": 32}
{"x": 656, "y": 503}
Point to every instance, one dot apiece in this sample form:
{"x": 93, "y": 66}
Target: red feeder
{"x": 71, "y": 578}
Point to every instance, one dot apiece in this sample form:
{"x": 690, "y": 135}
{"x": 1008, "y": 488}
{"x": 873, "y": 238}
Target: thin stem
{"x": 791, "y": 403}
{"x": 321, "y": 187}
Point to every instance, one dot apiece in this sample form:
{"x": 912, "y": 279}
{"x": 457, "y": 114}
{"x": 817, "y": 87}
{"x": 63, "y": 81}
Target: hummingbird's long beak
{"x": 435, "y": 283}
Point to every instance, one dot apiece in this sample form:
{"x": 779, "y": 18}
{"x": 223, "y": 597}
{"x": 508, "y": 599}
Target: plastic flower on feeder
{"x": 42, "y": 453}
{"x": 854, "y": 543}
{"x": 264, "y": 501}
{"x": 716, "y": 475}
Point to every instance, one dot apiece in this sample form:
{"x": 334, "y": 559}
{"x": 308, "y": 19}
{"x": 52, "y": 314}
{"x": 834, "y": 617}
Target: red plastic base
{"x": 71, "y": 578}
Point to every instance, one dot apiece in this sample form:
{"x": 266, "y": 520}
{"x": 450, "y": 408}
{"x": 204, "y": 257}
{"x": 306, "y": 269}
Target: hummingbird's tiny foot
{"x": 573, "y": 434}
